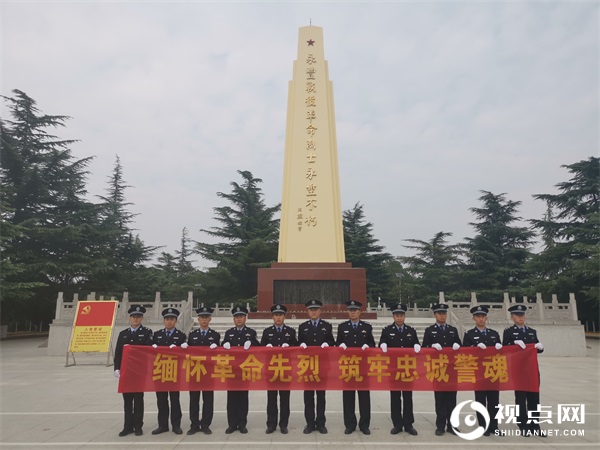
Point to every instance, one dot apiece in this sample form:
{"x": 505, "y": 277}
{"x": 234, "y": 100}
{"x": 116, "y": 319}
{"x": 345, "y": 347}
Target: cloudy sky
{"x": 434, "y": 101}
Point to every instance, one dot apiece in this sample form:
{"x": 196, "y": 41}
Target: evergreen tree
{"x": 248, "y": 234}
{"x": 436, "y": 266}
{"x": 362, "y": 250}
{"x": 570, "y": 258}
{"x": 184, "y": 264}
{"x": 499, "y": 251}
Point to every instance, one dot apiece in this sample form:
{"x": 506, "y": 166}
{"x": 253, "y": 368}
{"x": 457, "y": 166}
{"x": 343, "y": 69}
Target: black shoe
{"x": 193, "y": 431}
{"x": 308, "y": 429}
{"x": 411, "y": 431}
{"x": 139, "y": 432}
{"x": 284, "y": 430}
{"x": 206, "y": 430}
{"x": 451, "y": 430}
{"x": 396, "y": 430}
{"x": 160, "y": 430}
{"x": 270, "y": 430}
{"x": 243, "y": 430}
{"x": 365, "y": 430}
{"x": 440, "y": 432}
{"x": 486, "y": 433}
{"x": 125, "y": 433}
{"x": 230, "y": 430}
{"x": 323, "y": 429}
{"x": 177, "y": 430}
{"x": 349, "y": 431}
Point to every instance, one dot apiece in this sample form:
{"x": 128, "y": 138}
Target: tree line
{"x": 53, "y": 238}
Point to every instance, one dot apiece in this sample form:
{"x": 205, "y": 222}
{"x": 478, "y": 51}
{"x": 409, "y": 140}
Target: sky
{"x": 434, "y": 102}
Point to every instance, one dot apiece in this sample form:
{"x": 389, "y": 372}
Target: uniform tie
{"x": 203, "y": 333}
{"x": 315, "y": 323}
{"x": 278, "y": 329}
{"x": 355, "y": 325}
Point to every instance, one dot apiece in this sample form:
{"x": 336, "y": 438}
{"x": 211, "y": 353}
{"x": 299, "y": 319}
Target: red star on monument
{"x": 310, "y": 42}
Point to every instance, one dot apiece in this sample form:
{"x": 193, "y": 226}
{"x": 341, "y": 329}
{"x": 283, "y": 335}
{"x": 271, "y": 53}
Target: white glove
{"x": 117, "y": 373}
{"x": 364, "y": 347}
{"x": 184, "y": 345}
{"x": 520, "y": 343}
{"x": 324, "y": 345}
{"x": 226, "y": 345}
{"x": 498, "y": 346}
{"x": 455, "y": 346}
{"x": 303, "y": 345}
{"x": 438, "y": 347}
{"x": 213, "y": 346}
{"x": 125, "y": 345}
{"x": 269, "y": 345}
{"x": 482, "y": 346}
{"x": 417, "y": 348}
{"x": 172, "y": 346}
{"x": 247, "y": 345}
{"x": 343, "y": 346}
{"x": 383, "y": 347}
{"x": 154, "y": 346}
{"x": 285, "y": 345}
{"x": 539, "y": 346}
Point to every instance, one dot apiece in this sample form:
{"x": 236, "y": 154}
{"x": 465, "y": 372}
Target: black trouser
{"x": 237, "y": 408}
{"x": 445, "y": 402}
{"x": 317, "y": 421}
{"x": 284, "y": 418}
{"x": 133, "y": 404}
{"x": 489, "y": 399}
{"x": 162, "y": 400}
{"x": 364, "y": 408}
{"x": 527, "y": 401}
{"x": 402, "y": 418}
{"x": 208, "y": 401}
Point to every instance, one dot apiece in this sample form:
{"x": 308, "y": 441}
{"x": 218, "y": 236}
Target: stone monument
{"x": 311, "y": 261}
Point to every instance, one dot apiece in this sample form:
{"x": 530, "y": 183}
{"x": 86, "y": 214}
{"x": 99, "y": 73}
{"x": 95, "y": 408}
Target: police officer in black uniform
{"x": 484, "y": 337}
{"x": 356, "y": 333}
{"x": 437, "y": 336}
{"x": 312, "y": 333}
{"x": 520, "y": 334}
{"x": 237, "y": 401}
{"x": 202, "y": 337}
{"x": 278, "y": 335}
{"x": 400, "y": 335}
{"x": 168, "y": 337}
{"x": 133, "y": 402}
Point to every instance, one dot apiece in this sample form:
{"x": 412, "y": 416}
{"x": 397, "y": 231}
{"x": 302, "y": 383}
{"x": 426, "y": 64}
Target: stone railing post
{"x": 473, "y": 299}
{"x": 125, "y": 305}
{"x": 157, "y": 311}
{"x": 91, "y": 296}
{"x": 59, "y": 306}
{"x": 573, "y": 306}
{"x": 554, "y": 300}
{"x": 506, "y": 301}
{"x": 441, "y": 297}
{"x": 539, "y": 302}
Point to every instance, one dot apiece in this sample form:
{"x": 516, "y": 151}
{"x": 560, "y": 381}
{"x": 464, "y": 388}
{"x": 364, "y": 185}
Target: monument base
{"x": 293, "y": 284}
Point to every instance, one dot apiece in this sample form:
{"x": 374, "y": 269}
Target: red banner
{"x": 146, "y": 369}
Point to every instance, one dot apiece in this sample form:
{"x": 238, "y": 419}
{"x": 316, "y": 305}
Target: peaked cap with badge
{"x": 204, "y": 311}
{"x": 136, "y": 310}
{"x": 519, "y": 309}
{"x": 278, "y": 309}
{"x": 170, "y": 312}
{"x": 480, "y": 310}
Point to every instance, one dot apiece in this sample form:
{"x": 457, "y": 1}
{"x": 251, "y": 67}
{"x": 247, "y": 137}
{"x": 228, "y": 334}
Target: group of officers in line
{"x": 318, "y": 332}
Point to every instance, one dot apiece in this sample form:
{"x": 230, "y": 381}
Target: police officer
{"x": 203, "y": 337}
{"x": 355, "y": 333}
{"x": 133, "y": 402}
{"x": 237, "y": 401}
{"x": 437, "y": 336}
{"x": 278, "y": 335}
{"x": 170, "y": 337}
{"x": 400, "y": 335}
{"x": 312, "y": 333}
{"x": 484, "y": 337}
{"x": 520, "y": 334}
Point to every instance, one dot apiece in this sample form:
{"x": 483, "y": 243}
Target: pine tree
{"x": 184, "y": 264}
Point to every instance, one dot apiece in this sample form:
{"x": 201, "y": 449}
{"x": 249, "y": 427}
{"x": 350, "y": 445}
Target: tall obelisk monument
{"x": 311, "y": 215}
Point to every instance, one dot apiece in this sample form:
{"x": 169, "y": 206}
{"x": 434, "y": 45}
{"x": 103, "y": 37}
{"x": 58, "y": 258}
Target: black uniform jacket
{"x": 400, "y": 339}
{"x": 272, "y": 336}
{"x": 141, "y": 336}
{"x": 195, "y": 338}
{"x": 435, "y": 335}
{"x": 475, "y": 336}
{"x": 162, "y": 340}
{"x": 237, "y": 337}
{"x": 315, "y": 336}
{"x": 512, "y": 334}
{"x": 363, "y": 334}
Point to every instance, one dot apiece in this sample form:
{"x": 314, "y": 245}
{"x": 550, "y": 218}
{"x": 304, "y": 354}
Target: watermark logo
{"x": 470, "y": 420}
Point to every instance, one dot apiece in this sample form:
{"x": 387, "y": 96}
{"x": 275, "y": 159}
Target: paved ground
{"x": 46, "y": 405}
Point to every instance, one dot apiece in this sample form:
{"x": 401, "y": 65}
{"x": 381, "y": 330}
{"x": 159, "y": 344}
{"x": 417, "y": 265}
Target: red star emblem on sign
{"x": 310, "y": 42}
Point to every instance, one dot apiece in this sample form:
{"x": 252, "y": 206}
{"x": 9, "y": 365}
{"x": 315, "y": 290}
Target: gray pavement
{"x": 46, "y": 405}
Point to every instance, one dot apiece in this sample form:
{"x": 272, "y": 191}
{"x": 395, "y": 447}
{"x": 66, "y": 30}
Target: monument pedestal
{"x": 293, "y": 284}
